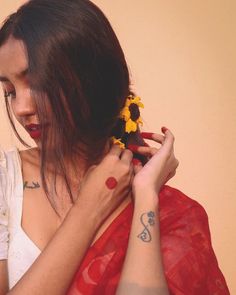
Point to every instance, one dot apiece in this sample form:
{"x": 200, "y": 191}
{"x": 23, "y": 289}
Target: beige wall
{"x": 182, "y": 56}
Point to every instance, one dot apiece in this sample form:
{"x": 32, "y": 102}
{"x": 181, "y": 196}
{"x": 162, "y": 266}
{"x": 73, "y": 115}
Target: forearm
{"x": 143, "y": 269}
{"x": 54, "y": 269}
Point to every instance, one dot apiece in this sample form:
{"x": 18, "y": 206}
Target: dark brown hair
{"x": 78, "y": 71}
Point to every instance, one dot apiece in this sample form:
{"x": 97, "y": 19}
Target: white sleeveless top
{"x": 15, "y": 245}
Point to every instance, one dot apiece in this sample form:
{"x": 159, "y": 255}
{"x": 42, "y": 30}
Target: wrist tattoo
{"x": 147, "y": 219}
{"x": 32, "y": 185}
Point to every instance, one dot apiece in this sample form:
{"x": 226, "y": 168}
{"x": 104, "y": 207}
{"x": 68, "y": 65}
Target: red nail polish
{"x": 147, "y": 135}
{"x": 146, "y": 144}
{"x": 136, "y": 162}
{"x": 164, "y": 129}
{"x": 133, "y": 148}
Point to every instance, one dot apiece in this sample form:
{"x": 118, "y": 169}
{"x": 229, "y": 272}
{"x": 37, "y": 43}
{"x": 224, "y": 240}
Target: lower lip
{"x": 35, "y": 133}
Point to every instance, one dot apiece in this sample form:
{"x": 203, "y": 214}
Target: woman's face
{"x": 15, "y": 84}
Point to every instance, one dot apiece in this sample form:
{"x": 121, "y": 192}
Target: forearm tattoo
{"x": 147, "y": 219}
{"x": 32, "y": 185}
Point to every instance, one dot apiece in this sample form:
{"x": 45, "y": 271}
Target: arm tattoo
{"x": 147, "y": 219}
{"x": 33, "y": 185}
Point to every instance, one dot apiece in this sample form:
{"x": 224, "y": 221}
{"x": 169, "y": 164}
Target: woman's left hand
{"x": 161, "y": 165}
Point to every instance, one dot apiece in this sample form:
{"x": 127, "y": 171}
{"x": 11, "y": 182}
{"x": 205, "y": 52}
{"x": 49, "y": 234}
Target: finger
{"x": 126, "y": 156}
{"x": 115, "y": 151}
{"x": 166, "y": 151}
{"x": 136, "y": 161}
{"x": 143, "y": 150}
{"x": 168, "y": 143}
{"x": 137, "y": 167}
{"x": 131, "y": 174}
{"x": 153, "y": 136}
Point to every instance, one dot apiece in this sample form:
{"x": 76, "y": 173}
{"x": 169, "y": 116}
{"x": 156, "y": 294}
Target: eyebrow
{"x": 20, "y": 75}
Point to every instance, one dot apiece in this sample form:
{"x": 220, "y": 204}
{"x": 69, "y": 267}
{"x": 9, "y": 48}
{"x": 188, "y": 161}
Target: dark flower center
{"x": 134, "y": 112}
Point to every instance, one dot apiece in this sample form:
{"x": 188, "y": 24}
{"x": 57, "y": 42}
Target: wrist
{"x": 145, "y": 198}
{"x": 88, "y": 213}
{"x": 140, "y": 187}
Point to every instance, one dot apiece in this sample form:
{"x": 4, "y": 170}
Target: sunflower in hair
{"x": 131, "y": 114}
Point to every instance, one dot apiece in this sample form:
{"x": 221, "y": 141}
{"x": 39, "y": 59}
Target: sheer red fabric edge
{"x": 190, "y": 264}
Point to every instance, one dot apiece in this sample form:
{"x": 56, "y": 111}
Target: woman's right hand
{"x": 99, "y": 197}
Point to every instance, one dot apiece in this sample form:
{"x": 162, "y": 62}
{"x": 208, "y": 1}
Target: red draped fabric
{"x": 190, "y": 263}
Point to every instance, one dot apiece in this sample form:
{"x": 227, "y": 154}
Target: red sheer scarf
{"x": 190, "y": 263}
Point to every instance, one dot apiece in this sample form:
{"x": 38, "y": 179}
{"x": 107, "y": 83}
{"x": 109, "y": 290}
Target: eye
{"x": 10, "y": 94}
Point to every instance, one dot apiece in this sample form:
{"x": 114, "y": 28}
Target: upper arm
{"x": 4, "y": 235}
{"x": 3, "y": 277}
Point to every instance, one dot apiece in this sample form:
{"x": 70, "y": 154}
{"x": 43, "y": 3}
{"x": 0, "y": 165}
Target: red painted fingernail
{"x": 133, "y": 148}
{"x": 164, "y": 129}
{"x": 136, "y": 162}
{"x": 147, "y": 135}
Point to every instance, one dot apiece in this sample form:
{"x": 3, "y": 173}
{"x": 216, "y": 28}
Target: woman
{"x": 80, "y": 215}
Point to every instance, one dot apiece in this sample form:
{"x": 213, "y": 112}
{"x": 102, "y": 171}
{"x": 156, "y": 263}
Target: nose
{"x": 23, "y": 105}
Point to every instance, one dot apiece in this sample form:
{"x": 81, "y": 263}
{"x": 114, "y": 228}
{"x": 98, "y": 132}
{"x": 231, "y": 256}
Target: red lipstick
{"x": 34, "y": 130}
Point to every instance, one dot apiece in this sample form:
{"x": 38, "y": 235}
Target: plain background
{"x": 182, "y": 58}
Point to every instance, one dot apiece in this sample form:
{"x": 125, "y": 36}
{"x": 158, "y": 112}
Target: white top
{"x": 15, "y": 245}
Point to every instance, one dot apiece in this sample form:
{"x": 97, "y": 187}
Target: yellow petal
{"x": 130, "y": 126}
{"x": 141, "y": 105}
{"x": 139, "y": 121}
{"x": 137, "y": 101}
{"x": 118, "y": 142}
{"x": 125, "y": 114}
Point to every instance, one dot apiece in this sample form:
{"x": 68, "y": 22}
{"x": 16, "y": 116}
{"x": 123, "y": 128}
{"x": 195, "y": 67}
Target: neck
{"x": 75, "y": 166}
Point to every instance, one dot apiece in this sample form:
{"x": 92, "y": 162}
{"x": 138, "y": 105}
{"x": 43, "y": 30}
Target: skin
{"x": 48, "y": 232}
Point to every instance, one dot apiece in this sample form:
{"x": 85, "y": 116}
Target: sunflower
{"x": 131, "y": 114}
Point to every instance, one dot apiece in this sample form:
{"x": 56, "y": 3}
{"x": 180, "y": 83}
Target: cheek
{"x": 12, "y": 110}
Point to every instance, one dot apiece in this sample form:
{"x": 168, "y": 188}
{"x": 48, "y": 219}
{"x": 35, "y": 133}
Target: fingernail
{"x": 146, "y": 144}
{"x": 147, "y": 135}
{"x": 136, "y": 162}
{"x": 133, "y": 148}
{"x": 164, "y": 129}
